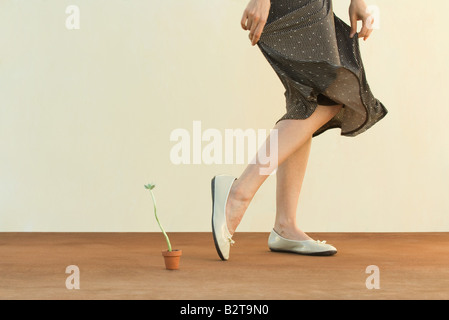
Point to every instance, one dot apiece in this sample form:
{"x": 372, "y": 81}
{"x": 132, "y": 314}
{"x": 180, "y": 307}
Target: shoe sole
{"x": 323, "y": 253}
{"x": 213, "y": 229}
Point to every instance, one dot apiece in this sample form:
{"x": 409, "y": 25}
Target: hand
{"x": 357, "y": 11}
{"x": 254, "y": 18}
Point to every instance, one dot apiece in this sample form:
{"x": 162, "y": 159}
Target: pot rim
{"x": 173, "y": 253}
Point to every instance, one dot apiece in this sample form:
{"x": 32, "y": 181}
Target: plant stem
{"x": 155, "y": 214}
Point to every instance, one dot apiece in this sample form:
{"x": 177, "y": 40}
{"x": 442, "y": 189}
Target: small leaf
{"x": 150, "y": 186}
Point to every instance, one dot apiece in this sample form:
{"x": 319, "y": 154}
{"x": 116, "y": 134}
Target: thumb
{"x": 353, "y": 26}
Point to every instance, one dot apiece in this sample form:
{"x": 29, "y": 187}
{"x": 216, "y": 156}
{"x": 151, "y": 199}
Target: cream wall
{"x": 86, "y": 116}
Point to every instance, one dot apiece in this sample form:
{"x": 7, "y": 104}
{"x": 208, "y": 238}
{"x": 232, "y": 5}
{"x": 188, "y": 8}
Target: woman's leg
{"x": 289, "y": 177}
{"x": 292, "y": 134}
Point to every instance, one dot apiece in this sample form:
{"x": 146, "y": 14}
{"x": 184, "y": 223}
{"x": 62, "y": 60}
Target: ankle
{"x": 289, "y": 230}
{"x": 285, "y": 227}
{"x": 239, "y": 193}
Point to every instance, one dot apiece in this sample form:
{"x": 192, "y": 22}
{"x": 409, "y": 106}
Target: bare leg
{"x": 289, "y": 177}
{"x": 292, "y": 134}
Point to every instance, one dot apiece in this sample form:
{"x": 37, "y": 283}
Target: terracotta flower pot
{"x": 172, "y": 259}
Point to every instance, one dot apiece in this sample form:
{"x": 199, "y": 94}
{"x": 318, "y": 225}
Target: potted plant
{"x": 171, "y": 256}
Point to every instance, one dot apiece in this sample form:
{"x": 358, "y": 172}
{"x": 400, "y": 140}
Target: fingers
{"x": 353, "y": 31}
{"x": 244, "y": 19}
{"x": 369, "y": 24}
{"x": 257, "y": 26}
{"x": 258, "y": 32}
{"x": 367, "y": 27}
{"x": 248, "y": 20}
{"x": 254, "y": 23}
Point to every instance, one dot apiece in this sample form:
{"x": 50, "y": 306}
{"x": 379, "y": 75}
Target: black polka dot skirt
{"x": 310, "y": 50}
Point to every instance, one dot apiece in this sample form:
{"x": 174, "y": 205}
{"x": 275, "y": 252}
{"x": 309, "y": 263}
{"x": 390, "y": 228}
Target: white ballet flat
{"x": 221, "y": 186}
{"x": 305, "y": 247}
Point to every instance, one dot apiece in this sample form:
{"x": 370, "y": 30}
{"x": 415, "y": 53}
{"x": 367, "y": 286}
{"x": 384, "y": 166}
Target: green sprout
{"x": 151, "y": 187}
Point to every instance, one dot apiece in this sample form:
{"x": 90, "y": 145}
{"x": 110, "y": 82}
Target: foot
{"x": 311, "y": 247}
{"x": 291, "y": 233}
{"x": 236, "y": 206}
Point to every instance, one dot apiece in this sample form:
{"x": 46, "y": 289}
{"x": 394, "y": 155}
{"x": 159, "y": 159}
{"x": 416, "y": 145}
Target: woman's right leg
{"x": 292, "y": 134}
{"x": 289, "y": 177}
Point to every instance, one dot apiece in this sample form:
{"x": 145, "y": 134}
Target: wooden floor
{"x": 130, "y": 266}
